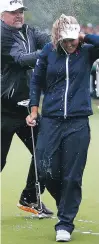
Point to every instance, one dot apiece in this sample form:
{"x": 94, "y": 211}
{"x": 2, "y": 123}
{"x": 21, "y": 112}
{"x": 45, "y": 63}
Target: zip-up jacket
{"x": 19, "y": 52}
{"x": 67, "y": 79}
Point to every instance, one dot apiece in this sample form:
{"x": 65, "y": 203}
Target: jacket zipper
{"x": 23, "y": 41}
{"x": 67, "y": 82}
{"x": 67, "y": 86}
{"x": 12, "y": 92}
{"x": 28, "y": 39}
{"x": 28, "y": 43}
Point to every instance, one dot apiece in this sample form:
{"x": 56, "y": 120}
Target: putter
{"x": 25, "y": 103}
{"x": 97, "y": 78}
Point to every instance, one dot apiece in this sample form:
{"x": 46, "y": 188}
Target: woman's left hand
{"x": 81, "y": 37}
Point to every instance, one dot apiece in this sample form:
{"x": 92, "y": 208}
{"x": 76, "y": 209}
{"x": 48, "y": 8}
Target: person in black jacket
{"x": 66, "y": 63}
{"x": 20, "y": 48}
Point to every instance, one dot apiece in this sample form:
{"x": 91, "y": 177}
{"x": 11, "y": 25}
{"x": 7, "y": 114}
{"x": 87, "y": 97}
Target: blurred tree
{"x": 43, "y": 12}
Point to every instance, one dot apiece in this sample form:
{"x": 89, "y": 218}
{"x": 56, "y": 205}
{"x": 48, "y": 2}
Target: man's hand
{"x": 31, "y": 119}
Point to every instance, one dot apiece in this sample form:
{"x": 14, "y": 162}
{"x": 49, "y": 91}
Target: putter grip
{"x": 38, "y": 195}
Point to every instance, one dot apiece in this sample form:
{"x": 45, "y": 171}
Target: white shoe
{"x": 63, "y": 235}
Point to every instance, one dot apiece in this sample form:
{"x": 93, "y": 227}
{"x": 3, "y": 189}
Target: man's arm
{"x": 12, "y": 52}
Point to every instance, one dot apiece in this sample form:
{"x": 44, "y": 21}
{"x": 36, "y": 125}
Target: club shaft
{"x": 34, "y": 155}
{"x": 33, "y": 147}
{"x": 38, "y": 195}
{"x": 37, "y": 184}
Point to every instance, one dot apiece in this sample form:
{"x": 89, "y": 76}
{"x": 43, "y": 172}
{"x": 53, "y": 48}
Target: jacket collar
{"x": 62, "y": 52}
{"x": 10, "y": 28}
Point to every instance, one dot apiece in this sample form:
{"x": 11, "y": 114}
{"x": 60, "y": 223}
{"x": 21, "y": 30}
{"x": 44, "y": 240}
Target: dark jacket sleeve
{"x": 94, "y": 48}
{"x": 41, "y": 38}
{"x": 39, "y": 77}
{"x": 13, "y": 53}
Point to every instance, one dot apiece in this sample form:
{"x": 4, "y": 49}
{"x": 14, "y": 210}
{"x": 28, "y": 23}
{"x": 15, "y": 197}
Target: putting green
{"x": 19, "y": 227}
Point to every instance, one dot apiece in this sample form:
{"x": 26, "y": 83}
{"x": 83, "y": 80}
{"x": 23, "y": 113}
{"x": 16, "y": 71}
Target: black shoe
{"x": 46, "y": 210}
{"x": 33, "y": 208}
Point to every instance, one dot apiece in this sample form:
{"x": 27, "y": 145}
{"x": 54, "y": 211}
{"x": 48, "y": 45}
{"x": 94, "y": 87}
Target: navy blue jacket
{"x": 67, "y": 79}
{"x": 19, "y": 52}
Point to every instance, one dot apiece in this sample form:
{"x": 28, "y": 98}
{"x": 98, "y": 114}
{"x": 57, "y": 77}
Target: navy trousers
{"x": 12, "y": 123}
{"x": 61, "y": 153}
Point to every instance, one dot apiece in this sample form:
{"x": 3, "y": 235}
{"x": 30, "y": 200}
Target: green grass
{"x": 19, "y": 227}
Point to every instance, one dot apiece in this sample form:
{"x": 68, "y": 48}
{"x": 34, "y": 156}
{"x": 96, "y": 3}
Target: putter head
{"x": 24, "y": 103}
{"x": 42, "y": 216}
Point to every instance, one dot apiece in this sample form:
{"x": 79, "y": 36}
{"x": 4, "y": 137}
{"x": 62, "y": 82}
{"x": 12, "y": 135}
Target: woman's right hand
{"x": 31, "y": 119}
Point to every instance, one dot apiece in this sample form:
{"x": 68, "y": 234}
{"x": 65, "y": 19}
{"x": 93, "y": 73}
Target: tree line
{"x": 43, "y": 13}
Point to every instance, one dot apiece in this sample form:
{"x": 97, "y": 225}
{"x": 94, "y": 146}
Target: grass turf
{"x": 19, "y": 227}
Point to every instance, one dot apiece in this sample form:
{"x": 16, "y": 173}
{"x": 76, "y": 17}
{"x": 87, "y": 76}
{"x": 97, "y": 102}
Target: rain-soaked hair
{"x": 62, "y": 24}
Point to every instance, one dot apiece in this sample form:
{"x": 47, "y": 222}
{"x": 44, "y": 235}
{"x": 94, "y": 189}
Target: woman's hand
{"x": 31, "y": 119}
{"x": 81, "y": 37}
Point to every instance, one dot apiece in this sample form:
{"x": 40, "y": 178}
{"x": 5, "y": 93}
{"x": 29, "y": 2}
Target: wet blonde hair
{"x": 62, "y": 24}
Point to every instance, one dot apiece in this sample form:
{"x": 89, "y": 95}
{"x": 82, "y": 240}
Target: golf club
{"x": 25, "y": 103}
